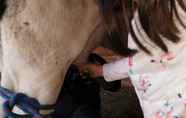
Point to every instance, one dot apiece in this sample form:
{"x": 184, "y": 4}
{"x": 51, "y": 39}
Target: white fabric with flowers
{"x": 160, "y": 79}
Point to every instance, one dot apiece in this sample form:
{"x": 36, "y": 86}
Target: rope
{"x": 27, "y": 104}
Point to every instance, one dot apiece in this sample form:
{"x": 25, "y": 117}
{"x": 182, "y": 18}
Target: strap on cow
{"x": 29, "y": 105}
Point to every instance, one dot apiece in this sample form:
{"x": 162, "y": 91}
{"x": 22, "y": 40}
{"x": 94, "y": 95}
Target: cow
{"x": 39, "y": 41}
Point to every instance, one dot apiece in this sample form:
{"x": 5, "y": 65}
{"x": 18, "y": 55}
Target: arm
{"x": 116, "y": 70}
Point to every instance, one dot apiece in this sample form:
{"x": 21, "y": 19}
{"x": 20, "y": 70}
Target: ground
{"x": 122, "y": 104}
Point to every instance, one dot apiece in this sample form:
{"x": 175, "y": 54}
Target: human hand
{"x": 94, "y": 70}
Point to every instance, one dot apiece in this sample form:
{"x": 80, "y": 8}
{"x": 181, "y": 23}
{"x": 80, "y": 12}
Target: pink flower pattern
{"x": 144, "y": 82}
{"x": 167, "y": 110}
{"x": 164, "y": 59}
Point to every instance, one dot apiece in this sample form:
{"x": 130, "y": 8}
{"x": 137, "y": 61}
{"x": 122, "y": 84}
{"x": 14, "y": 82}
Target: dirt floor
{"x": 122, "y": 104}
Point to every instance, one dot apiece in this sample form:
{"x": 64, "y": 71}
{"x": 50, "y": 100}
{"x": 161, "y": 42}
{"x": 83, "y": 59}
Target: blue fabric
{"x": 29, "y": 105}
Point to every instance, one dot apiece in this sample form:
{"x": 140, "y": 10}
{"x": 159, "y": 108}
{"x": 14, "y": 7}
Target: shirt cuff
{"x": 117, "y": 70}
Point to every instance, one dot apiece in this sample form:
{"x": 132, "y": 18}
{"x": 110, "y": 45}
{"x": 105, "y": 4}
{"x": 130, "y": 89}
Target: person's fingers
{"x": 82, "y": 67}
{"x": 91, "y": 70}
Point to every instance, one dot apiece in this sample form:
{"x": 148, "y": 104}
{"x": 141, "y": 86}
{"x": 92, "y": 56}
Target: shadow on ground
{"x": 122, "y": 104}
